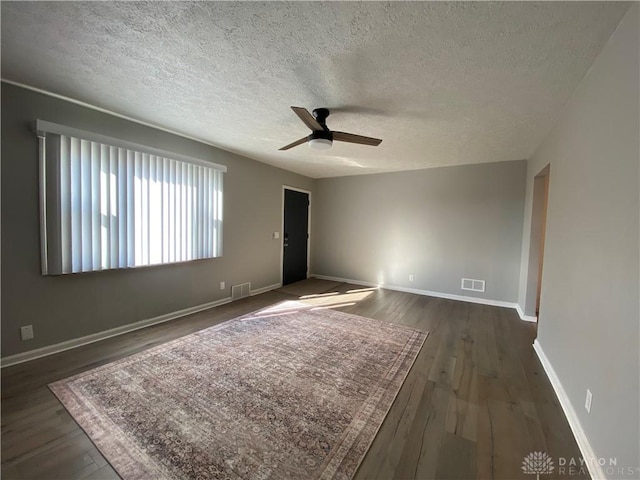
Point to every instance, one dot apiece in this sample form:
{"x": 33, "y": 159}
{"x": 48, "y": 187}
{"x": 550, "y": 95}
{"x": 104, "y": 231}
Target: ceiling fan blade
{"x": 351, "y": 138}
{"x": 308, "y": 119}
{"x": 295, "y": 144}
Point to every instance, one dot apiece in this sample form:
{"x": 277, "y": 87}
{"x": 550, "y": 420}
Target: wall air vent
{"x": 240, "y": 291}
{"x": 472, "y": 285}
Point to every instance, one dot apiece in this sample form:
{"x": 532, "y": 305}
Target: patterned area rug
{"x": 287, "y": 393}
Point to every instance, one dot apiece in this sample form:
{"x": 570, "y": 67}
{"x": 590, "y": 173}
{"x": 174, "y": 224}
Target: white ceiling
{"x": 441, "y": 83}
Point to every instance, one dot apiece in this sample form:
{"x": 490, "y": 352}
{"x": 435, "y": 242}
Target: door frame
{"x": 308, "y": 192}
{"x": 537, "y": 236}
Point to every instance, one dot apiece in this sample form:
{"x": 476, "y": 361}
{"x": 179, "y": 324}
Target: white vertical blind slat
{"x": 65, "y": 205}
{"x": 184, "y": 211}
{"x": 217, "y": 211}
{"x": 180, "y": 211}
{"x": 156, "y": 211}
{"x": 145, "y": 209}
{"x": 207, "y": 214}
{"x": 173, "y": 237}
{"x": 76, "y": 207}
{"x": 165, "y": 210}
{"x": 85, "y": 197}
{"x": 195, "y": 194}
{"x": 189, "y": 224}
{"x": 113, "y": 208}
{"x": 96, "y": 240}
{"x": 151, "y": 176}
{"x": 121, "y": 181}
{"x": 137, "y": 209}
{"x": 199, "y": 211}
{"x": 214, "y": 193}
{"x": 130, "y": 165}
{"x": 105, "y": 186}
{"x": 204, "y": 206}
{"x": 105, "y": 197}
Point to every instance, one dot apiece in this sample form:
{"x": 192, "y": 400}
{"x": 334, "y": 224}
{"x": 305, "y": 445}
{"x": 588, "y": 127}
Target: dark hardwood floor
{"x": 474, "y": 404}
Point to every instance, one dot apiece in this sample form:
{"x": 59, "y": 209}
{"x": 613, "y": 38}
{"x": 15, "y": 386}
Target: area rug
{"x": 287, "y": 393}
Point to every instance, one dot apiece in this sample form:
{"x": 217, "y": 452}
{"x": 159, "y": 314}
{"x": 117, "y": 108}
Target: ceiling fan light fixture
{"x": 320, "y": 143}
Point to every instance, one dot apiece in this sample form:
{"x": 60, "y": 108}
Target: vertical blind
{"x": 117, "y": 207}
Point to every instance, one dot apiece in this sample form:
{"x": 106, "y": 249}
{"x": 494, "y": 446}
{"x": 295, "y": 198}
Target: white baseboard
{"x": 581, "y": 438}
{"x": 449, "y": 296}
{"x": 113, "y": 332}
{"x": 268, "y": 288}
{"x": 526, "y": 318}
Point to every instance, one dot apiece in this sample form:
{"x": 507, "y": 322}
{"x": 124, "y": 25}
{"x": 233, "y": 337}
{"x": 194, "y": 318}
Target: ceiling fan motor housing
{"x": 325, "y": 134}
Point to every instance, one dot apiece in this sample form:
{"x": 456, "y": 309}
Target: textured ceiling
{"x": 442, "y": 83}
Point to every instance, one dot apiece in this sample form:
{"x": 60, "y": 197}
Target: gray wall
{"x": 589, "y": 312}
{"x": 71, "y": 306}
{"x": 439, "y": 224}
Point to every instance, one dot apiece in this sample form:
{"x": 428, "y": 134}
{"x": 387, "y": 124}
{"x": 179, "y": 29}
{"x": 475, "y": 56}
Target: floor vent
{"x": 240, "y": 291}
{"x": 473, "y": 285}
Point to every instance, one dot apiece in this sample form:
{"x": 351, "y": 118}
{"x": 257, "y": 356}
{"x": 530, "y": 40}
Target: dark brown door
{"x": 295, "y": 236}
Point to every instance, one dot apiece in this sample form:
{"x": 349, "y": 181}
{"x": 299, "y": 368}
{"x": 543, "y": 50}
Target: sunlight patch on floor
{"x": 319, "y": 295}
{"x": 333, "y": 300}
{"x": 317, "y": 302}
{"x": 372, "y": 289}
{"x": 339, "y": 305}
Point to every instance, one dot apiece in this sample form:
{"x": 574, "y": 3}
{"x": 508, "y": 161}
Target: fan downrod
{"x": 321, "y": 115}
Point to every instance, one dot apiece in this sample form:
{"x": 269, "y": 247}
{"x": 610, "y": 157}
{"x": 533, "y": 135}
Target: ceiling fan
{"x": 321, "y": 137}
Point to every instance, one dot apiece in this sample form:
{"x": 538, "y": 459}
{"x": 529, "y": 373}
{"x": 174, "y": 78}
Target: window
{"x": 109, "y": 204}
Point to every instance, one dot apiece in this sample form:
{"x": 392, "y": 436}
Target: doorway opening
{"x": 536, "y": 241}
{"x": 295, "y": 234}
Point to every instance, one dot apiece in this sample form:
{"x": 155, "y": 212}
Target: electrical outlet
{"x": 222, "y": 285}
{"x": 411, "y": 277}
{"x": 587, "y": 402}
{"x": 26, "y": 333}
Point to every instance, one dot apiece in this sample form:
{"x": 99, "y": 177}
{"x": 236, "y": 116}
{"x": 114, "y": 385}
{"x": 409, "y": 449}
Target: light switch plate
{"x": 587, "y": 402}
{"x": 276, "y": 235}
{"x": 26, "y": 333}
